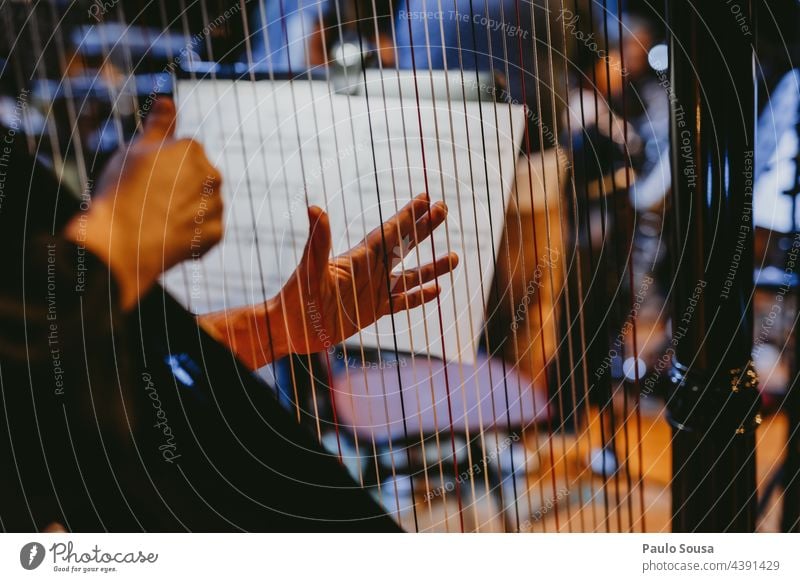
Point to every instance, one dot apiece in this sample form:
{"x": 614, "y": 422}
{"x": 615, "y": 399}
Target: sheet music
{"x": 276, "y": 142}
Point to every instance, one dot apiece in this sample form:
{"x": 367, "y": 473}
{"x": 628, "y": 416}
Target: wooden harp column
{"x": 713, "y": 399}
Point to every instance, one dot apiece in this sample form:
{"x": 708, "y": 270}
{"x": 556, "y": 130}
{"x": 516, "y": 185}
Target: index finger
{"x": 159, "y": 125}
{"x": 414, "y": 221}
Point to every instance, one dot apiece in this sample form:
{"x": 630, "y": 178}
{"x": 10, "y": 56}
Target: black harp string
{"x": 390, "y": 443}
{"x": 587, "y": 299}
{"x": 618, "y": 248}
{"x": 299, "y": 409}
{"x": 361, "y": 197}
{"x": 616, "y": 295}
{"x": 484, "y": 311}
{"x": 565, "y": 233}
{"x": 293, "y": 243}
{"x": 254, "y": 349}
{"x": 309, "y": 358}
{"x": 190, "y": 41}
{"x": 447, "y": 381}
{"x": 509, "y": 99}
{"x": 387, "y": 267}
{"x": 555, "y": 298}
{"x": 579, "y": 414}
{"x": 630, "y": 266}
{"x": 495, "y": 285}
{"x": 416, "y": 249}
{"x": 472, "y": 333}
{"x": 434, "y": 110}
{"x": 602, "y": 332}
{"x": 251, "y": 204}
{"x": 344, "y": 348}
{"x": 405, "y": 445}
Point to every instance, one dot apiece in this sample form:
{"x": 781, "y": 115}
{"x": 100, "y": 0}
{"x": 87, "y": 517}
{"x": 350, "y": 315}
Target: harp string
{"x": 565, "y": 279}
{"x": 548, "y": 233}
{"x": 292, "y": 361}
{"x": 462, "y": 383}
{"x": 585, "y": 432}
{"x": 406, "y": 444}
{"x": 433, "y": 253}
{"x": 611, "y": 426}
{"x": 472, "y": 332}
{"x": 255, "y": 349}
{"x": 327, "y": 202}
{"x": 438, "y": 299}
{"x": 578, "y": 260}
{"x": 632, "y": 230}
{"x": 586, "y": 298}
{"x": 614, "y": 301}
{"x": 554, "y": 297}
{"x": 252, "y": 206}
{"x": 563, "y": 216}
{"x": 513, "y": 268}
{"x": 418, "y": 258}
{"x": 309, "y": 357}
{"x": 384, "y": 394}
{"x": 622, "y": 219}
{"x": 376, "y": 458}
{"x": 486, "y": 336}
{"x": 603, "y": 387}
{"x": 514, "y": 332}
{"x": 428, "y": 356}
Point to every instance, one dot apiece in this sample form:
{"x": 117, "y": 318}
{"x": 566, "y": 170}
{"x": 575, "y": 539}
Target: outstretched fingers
{"x": 420, "y": 275}
{"x": 415, "y": 298}
{"x": 410, "y": 226}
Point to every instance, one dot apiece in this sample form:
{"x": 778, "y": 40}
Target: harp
{"x": 522, "y": 399}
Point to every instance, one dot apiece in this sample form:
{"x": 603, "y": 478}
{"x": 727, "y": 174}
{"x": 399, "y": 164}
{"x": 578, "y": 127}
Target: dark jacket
{"x": 135, "y": 421}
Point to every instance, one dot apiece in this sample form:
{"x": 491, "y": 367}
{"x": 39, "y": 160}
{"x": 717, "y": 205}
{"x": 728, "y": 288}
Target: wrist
{"x": 254, "y": 333}
{"x": 115, "y": 245}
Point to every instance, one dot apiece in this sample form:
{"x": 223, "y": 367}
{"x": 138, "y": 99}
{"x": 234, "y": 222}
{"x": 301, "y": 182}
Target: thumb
{"x": 319, "y": 244}
{"x": 159, "y": 125}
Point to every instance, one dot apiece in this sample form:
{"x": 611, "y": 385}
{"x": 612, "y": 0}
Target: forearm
{"x": 256, "y": 334}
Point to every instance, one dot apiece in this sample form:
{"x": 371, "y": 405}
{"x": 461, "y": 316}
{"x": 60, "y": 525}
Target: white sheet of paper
{"x": 277, "y": 143}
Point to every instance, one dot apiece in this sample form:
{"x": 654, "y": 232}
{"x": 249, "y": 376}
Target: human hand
{"x": 326, "y": 300}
